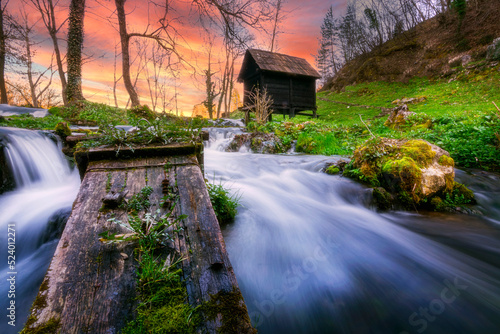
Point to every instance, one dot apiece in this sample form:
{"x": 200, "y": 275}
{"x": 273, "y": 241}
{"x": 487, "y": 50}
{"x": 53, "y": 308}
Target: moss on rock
{"x": 445, "y": 160}
{"x": 332, "y": 170}
{"x": 420, "y": 151}
{"x": 62, "y": 130}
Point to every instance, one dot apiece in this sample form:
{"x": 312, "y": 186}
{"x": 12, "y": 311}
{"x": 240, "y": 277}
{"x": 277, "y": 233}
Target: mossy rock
{"x": 62, "y": 130}
{"x": 465, "y": 192}
{"x": 408, "y": 175}
{"x": 383, "y": 199}
{"x": 332, "y": 170}
{"x": 143, "y": 112}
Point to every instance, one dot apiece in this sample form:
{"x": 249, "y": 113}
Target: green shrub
{"x": 223, "y": 202}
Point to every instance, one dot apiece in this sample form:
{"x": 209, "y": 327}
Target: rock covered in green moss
{"x": 335, "y": 167}
{"x": 414, "y": 171}
{"x": 62, "y": 130}
{"x": 332, "y": 170}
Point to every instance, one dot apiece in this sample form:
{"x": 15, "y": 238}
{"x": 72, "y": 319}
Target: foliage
{"x": 223, "y": 202}
{"x": 140, "y": 201}
{"x": 162, "y": 130}
{"x": 262, "y": 103}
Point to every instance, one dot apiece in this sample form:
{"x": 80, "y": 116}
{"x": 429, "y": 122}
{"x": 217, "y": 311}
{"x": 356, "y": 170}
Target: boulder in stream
{"x": 415, "y": 173}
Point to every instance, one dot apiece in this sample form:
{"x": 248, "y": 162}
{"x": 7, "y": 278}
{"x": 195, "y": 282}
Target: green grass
{"x": 473, "y": 90}
{"x": 27, "y": 121}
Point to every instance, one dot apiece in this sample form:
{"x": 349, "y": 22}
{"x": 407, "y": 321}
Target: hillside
{"x": 434, "y": 48}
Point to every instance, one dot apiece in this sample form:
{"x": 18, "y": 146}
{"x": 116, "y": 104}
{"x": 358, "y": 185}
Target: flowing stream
{"x": 312, "y": 256}
{"x": 35, "y": 211}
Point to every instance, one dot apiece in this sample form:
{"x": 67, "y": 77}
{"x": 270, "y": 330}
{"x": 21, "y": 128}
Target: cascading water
{"x": 311, "y": 256}
{"x": 45, "y": 188}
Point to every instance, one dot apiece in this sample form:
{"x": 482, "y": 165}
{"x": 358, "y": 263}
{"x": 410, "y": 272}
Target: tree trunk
{"x": 125, "y": 39}
{"x": 74, "y": 54}
{"x": 3, "y": 88}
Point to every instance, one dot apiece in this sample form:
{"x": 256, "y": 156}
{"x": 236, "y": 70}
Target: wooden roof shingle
{"x": 277, "y": 62}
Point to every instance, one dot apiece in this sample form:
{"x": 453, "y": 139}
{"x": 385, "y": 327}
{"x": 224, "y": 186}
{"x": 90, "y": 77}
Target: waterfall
{"x": 35, "y": 210}
{"x": 312, "y": 256}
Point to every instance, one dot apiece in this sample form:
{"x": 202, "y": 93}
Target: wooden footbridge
{"x": 90, "y": 286}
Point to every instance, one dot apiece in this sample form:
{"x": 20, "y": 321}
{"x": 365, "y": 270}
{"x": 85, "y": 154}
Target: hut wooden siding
{"x": 291, "y": 81}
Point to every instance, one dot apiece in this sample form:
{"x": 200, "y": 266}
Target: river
{"x": 312, "y": 256}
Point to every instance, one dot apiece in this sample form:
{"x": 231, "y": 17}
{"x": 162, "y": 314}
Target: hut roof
{"x": 277, "y": 62}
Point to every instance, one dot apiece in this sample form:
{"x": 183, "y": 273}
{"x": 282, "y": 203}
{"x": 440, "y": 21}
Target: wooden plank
{"x": 210, "y": 272}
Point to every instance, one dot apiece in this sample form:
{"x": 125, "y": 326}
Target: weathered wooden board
{"x": 90, "y": 286}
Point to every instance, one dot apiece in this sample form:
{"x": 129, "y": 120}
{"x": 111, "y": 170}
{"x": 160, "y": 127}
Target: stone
{"x": 493, "y": 51}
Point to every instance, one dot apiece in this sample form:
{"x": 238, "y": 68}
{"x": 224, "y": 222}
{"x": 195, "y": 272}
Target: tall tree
{"x": 74, "y": 53}
{"x": 3, "y": 52}
{"x": 46, "y": 8}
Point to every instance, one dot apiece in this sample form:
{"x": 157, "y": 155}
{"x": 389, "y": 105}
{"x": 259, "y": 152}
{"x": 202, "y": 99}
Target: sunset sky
{"x": 300, "y": 32}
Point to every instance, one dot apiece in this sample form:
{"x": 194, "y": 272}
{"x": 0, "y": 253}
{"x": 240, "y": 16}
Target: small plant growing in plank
{"x": 151, "y": 228}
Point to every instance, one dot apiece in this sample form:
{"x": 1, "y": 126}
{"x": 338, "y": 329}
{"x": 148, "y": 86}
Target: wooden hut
{"x": 291, "y": 81}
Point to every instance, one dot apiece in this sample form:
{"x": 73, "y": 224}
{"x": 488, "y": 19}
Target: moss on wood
{"x": 230, "y": 307}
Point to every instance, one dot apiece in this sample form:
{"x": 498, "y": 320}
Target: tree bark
{"x": 3, "y": 88}
{"x": 74, "y": 54}
{"x": 125, "y": 39}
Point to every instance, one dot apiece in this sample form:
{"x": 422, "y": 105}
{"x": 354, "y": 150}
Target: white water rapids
{"x": 35, "y": 211}
{"x": 311, "y": 256}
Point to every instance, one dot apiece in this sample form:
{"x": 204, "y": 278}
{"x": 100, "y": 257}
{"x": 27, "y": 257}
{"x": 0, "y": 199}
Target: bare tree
{"x": 161, "y": 35}
{"x": 46, "y": 8}
{"x": 37, "y": 81}
{"x": 74, "y": 53}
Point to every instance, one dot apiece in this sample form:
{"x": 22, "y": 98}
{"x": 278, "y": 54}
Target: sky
{"x": 299, "y": 37}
